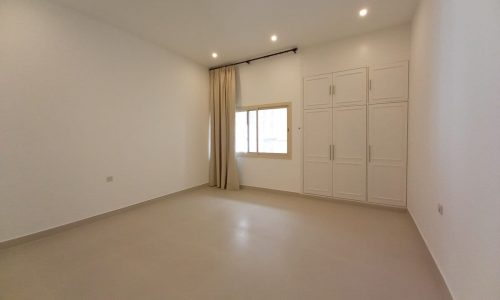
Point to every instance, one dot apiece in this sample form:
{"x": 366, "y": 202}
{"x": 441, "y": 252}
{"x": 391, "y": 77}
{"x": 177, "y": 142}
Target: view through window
{"x": 264, "y": 130}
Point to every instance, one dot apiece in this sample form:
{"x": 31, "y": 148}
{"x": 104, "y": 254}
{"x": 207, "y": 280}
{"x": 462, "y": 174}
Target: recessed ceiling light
{"x": 274, "y": 37}
{"x": 363, "y": 12}
{"x": 215, "y": 55}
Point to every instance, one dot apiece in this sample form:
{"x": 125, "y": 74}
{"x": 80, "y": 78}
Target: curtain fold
{"x": 223, "y": 167}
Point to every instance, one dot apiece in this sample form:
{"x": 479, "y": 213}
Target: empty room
{"x": 229, "y": 149}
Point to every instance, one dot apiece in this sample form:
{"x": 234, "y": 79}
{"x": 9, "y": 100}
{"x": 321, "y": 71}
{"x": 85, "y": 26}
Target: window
{"x": 264, "y": 131}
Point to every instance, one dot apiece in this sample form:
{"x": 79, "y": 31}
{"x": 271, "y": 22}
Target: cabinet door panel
{"x": 389, "y": 83}
{"x": 387, "y": 142}
{"x": 317, "y": 156}
{"x": 349, "y": 153}
{"x": 350, "y": 87}
{"x": 317, "y": 91}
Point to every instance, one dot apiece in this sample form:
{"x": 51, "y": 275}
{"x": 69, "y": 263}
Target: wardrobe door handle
{"x": 333, "y": 152}
{"x": 330, "y": 151}
{"x": 333, "y": 89}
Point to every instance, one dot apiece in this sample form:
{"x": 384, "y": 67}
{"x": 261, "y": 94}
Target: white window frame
{"x": 288, "y": 106}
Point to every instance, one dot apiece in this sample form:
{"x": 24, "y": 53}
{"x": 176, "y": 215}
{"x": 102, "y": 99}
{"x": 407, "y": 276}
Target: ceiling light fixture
{"x": 215, "y": 55}
{"x": 274, "y": 37}
{"x": 363, "y": 12}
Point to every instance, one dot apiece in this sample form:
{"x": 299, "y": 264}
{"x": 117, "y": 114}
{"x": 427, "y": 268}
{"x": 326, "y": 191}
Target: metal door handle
{"x": 333, "y": 89}
{"x": 330, "y": 151}
{"x": 333, "y": 152}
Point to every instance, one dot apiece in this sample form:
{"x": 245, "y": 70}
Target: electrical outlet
{"x": 440, "y": 209}
{"x": 109, "y": 179}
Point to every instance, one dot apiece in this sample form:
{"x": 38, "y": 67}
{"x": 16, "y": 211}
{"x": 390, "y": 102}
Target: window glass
{"x": 252, "y": 130}
{"x": 241, "y": 132}
{"x": 273, "y": 130}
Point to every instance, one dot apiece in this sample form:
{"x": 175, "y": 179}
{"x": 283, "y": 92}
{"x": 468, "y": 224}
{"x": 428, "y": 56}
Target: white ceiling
{"x": 240, "y": 29}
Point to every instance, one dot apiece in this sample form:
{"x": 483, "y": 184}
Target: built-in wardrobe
{"x": 355, "y": 134}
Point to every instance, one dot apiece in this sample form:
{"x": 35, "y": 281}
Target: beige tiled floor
{"x": 212, "y": 244}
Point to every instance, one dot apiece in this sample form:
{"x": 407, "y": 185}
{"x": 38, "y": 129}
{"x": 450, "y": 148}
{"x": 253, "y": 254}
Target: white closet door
{"x": 349, "y": 153}
{"x": 350, "y": 87}
{"x": 317, "y": 152}
{"x": 389, "y": 83}
{"x": 318, "y": 91}
{"x": 387, "y": 146}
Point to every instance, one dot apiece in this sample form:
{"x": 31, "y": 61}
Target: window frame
{"x": 257, "y": 107}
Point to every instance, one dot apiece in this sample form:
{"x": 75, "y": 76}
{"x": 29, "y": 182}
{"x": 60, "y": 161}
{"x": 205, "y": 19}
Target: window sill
{"x": 287, "y": 156}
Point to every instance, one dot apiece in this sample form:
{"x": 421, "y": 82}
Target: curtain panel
{"x": 223, "y": 167}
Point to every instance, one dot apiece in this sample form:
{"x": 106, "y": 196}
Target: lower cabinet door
{"x": 349, "y": 153}
{"x": 317, "y": 152}
{"x": 387, "y": 153}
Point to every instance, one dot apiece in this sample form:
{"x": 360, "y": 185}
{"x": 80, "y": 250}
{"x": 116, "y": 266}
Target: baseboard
{"x": 255, "y": 188}
{"x": 350, "y": 202}
{"x": 54, "y": 230}
{"x": 337, "y": 200}
{"x": 443, "y": 278}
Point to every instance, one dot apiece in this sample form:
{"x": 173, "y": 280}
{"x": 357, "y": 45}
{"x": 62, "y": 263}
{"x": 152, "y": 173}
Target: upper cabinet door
{"x": 389, "y": 83}
{"x": 350, "y": 87}
{"x": 387, "y": 148}
{"x": 318, "y": 91}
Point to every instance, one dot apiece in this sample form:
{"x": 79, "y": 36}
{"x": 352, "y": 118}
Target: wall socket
{"x": 440, "y": 209}
{"x": 109, "y": 179}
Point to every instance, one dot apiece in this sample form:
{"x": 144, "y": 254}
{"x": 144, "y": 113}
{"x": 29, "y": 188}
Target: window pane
{"x": 241, "y": 132}
{"x": 273, "y": 130}
{"x": 252, "y": 130}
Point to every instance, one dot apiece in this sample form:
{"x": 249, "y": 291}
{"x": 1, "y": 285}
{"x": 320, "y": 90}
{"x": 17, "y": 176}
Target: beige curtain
{"x": 223, "y": 168}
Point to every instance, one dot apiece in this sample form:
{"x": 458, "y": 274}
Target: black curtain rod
{"x": 294, "y": 50}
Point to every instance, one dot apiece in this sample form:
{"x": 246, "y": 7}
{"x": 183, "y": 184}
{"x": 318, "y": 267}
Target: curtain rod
{"x": 294, "y": 50}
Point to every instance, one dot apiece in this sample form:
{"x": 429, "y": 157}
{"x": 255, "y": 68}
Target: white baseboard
{"x": 443, "y": 278}
{"x": 338, "y": 200}
{"x": 51, "y": 231}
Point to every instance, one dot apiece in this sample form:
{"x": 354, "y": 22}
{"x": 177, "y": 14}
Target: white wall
{"x": 80, "y": 101}
{"x": 389, "y": 45}
{"x": 454, "y": 141}
{"x": 272, "y": 81}
{"x": 279, "y": 79}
